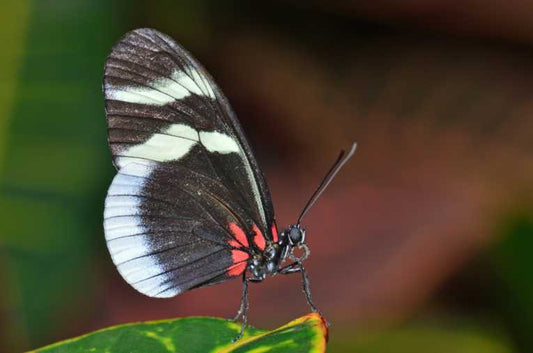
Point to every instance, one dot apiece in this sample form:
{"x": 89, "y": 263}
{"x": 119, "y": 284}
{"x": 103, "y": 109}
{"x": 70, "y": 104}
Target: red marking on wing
{"x": 237, "y": 269}
{"x": 274, "y": 233}
{"x": 239, "y": 256}
{"x": 259, "y": 239}
{"x": 234, "y": 243}
{"x": 239, "y": 234}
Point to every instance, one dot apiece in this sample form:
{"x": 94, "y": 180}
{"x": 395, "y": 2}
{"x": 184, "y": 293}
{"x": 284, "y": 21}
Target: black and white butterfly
{"x": 189, "y": 206}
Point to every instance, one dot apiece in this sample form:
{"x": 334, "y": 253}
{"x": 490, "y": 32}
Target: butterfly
{"x": 189, "y": 205}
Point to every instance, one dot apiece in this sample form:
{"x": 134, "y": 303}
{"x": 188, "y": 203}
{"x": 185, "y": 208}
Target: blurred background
{"x": 422, "y": 244}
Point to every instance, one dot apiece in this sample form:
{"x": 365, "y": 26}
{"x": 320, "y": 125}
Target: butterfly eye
{"x": 296, "y": 235}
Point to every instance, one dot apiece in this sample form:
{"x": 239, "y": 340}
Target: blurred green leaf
{"x": 513, "y": 264}
{"x": 14, "y": 19}
{"x": 437, "y": 336}
{"x": 54, "y": 164}
{"x": 199, "y": 334}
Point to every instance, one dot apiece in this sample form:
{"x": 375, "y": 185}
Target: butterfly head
{"x": 295, "y": 235}
{"x": 293, "y": 238}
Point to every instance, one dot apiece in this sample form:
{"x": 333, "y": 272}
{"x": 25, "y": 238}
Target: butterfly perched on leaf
{"x": 189, "y": 206}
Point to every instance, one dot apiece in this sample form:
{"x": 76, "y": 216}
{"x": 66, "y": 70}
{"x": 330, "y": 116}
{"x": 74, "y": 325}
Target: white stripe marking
{"x": 164, "y": 90}
{"x": 123, "y": 231}
{"x": 117, "y": 211}
{"x": 172, "y": 144}
{"x": 201, "y": 82}
{"x": 187, "y": 82}
{"x": 124, "y": 249}
{"x": 175, "y": 142}
{"x": 138, "y": 95}
{"x": 121, "y": 219}
{"x": 153, "y": 286}
{"x": 122, "y": 222}
{"x": 215, "y": 141}
{"x": 131, "y": 180}
{"x": 139, "y": 269}
{"x": 182, "y": 130}
{"x": 160, "y": 148}
{"x": 121, "y": 200}
{"x": 172, "y": 88}
{"x": 145, "y": 274}
{"x": 122, "y": 189}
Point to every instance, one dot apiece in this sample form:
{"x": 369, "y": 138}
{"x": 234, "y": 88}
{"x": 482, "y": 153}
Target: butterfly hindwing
{"x": 189, "y": 204}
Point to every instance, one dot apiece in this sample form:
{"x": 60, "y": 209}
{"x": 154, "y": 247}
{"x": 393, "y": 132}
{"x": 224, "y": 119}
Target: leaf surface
{"x": 199, "y": 334}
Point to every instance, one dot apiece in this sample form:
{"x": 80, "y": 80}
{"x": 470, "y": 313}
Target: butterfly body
{"x": 270, "y": 260}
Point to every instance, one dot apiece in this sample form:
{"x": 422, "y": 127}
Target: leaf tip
{"x": 321, "y": 324}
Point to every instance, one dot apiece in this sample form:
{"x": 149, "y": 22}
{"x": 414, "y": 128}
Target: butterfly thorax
{"x": 265, "y": 263}
{"x": 268, "y": 262}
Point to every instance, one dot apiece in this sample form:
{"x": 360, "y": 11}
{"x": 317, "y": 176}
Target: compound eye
{"x": 296, "y": 235}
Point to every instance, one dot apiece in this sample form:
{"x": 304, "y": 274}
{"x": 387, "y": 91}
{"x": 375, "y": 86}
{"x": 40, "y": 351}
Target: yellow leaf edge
{"x": 314, "y": 318}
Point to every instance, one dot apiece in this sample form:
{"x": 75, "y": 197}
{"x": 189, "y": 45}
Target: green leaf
{"x": 199, "y": 334}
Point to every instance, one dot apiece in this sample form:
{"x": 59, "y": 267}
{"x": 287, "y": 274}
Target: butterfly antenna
{"x": 339, "y": 163}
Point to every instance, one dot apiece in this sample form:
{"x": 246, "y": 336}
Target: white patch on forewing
{"x": 159, "y": 148}
{"x": 170, "y": 145}
{"x": 163, "y": 90}
{"x": 215, "y": 141}
{"x": 171, "y": 87}
{"x": 125, "y": 234}
{"x": 182, "y": 130}
{"x": 174, "y": 143}
{"x": 163, "y": 93}
{"x": 186, "y": 82}
{"x": 202, "y": 83}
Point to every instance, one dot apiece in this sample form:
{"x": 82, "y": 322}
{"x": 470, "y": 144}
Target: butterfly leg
{"x": 307, "y": 289}
{"x": 243, "y": 310}
{"x": 299, "y": 267}
{"x": 244, "y": 299}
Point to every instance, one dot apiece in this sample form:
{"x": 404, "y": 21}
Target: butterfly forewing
{"x": 188, "y": 193}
